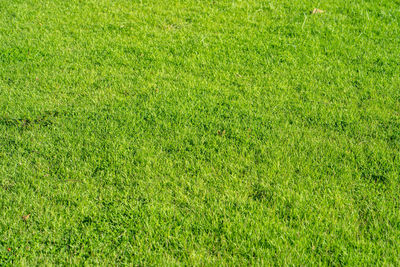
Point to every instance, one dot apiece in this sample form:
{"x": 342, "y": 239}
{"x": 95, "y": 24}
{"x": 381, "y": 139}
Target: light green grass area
{"x": 188, "y": 132}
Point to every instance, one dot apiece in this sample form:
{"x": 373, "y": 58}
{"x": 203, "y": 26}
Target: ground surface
{"x": 200, "y": 132}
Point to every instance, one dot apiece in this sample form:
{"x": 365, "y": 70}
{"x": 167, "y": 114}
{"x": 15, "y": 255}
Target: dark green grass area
{"x": 199, "y": 132}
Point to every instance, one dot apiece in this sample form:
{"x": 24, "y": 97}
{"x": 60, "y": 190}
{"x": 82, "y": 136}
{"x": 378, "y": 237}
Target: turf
{"x": 187, "y": 132}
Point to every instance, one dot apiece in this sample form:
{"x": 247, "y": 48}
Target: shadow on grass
{"x": 42, "y": 120}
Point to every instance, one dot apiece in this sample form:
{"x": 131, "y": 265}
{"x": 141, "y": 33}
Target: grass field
{"x": 188, "y": 132}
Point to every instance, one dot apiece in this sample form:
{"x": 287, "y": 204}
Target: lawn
{"x": 188, "y": 132}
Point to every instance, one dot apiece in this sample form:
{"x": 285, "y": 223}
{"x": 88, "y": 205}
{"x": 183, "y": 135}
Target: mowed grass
{"x": 199, "y": 132}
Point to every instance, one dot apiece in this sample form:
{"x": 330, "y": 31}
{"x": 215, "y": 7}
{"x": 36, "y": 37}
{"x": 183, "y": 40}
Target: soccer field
{"x": 188, "y": 132}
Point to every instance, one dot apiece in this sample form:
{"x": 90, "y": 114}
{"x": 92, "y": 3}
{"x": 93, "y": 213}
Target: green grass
{"x": 188, "y": 132}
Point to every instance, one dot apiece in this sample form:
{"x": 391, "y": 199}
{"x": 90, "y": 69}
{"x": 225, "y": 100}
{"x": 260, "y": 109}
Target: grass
{"x": 186, "y": 132}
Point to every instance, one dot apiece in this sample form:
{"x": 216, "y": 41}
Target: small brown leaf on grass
{"x": 9, "y": 249}
{"x": 221, "y": 133}
{"x": 26, "y": 217}
{"x": 317, "y": 11}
